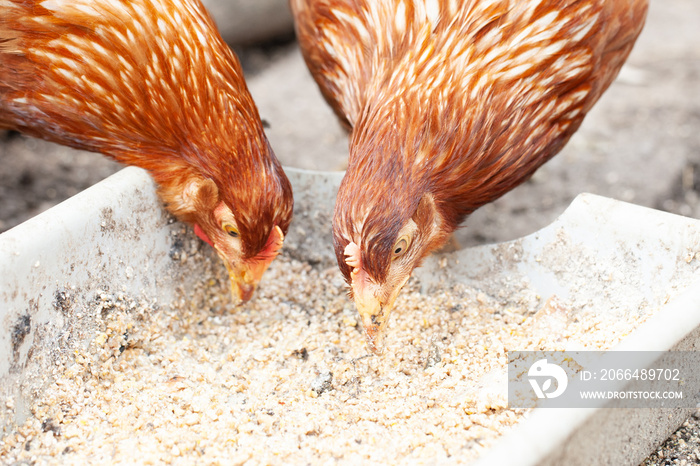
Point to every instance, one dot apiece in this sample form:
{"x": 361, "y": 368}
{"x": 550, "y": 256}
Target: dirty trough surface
{"x": 152, "y": 368}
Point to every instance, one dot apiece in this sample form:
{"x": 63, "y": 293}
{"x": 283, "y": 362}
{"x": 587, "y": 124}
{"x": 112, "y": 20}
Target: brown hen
{"x": 452, "y": 103}
{"x": 151, "y": 83}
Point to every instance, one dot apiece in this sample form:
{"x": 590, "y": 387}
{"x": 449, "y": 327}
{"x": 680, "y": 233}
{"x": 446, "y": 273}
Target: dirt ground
{"x": 640, "y": 144}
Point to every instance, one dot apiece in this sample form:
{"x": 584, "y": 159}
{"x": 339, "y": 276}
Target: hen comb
{"x": 352, "y": 256}
{"x": 274, "y": 243}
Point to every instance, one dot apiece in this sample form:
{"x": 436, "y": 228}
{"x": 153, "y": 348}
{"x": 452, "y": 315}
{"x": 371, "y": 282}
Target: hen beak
{"x": 374, "y": 317}
{"x": 374, "y": 310}
{"x": 245, "y": 277}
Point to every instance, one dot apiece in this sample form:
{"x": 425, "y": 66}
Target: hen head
{"x": 378, "y": 243}
{"x": 244, "y": 222}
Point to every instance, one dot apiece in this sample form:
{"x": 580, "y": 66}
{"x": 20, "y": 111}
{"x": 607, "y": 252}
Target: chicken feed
{"x": 287, "y": 378}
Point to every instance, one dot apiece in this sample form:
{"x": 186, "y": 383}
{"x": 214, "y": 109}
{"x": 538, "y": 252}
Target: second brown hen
{"x": 452, "y": 103}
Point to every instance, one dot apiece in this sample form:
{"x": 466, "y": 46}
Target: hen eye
{"x": 230, "y": 230}
{"x": 400, "y": 247}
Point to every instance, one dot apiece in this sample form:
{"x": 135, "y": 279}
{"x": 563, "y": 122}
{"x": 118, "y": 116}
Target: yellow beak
{"x": 374, "y": 317}
{"x": 245, "y": 277}
{"x": 374, "y": 304}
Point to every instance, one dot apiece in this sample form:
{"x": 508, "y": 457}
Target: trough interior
{"x": 113, "y": 267}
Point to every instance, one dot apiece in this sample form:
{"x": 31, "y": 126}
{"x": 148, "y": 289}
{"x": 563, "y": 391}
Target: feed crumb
{"x": 287, "y": 378}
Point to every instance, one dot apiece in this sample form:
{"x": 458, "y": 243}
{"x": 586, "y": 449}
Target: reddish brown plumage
{"x": 149, "y": 83}
{"x": 451, "y": 105}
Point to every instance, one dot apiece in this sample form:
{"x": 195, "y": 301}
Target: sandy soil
{"x": 640, "y": 144}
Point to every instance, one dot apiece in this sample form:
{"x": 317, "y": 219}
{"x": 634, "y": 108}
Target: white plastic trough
{"x": 116, "y": 236}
